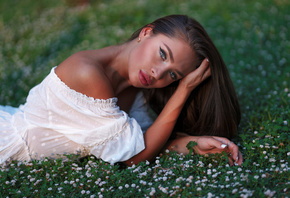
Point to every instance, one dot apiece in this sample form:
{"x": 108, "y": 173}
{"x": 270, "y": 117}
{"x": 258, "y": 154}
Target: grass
{"x": 253, "y": 38}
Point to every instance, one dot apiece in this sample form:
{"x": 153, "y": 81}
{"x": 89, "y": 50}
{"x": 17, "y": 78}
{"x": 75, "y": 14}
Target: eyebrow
{"x": 180, "y": 74}
{"x": 170, "y": 53}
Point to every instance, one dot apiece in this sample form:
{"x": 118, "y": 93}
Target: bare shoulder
{"x": 82, "y": 74}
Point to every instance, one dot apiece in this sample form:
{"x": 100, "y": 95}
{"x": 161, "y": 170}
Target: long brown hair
{"x": 212, "y": 108}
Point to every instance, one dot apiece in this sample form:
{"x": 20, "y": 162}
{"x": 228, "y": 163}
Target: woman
{"x": 75, "y": 108}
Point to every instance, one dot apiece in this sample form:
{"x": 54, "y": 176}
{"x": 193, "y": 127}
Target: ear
{"x": 146, "y": 31}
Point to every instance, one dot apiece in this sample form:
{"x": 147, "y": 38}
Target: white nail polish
{"x": 237, "y": 158}
{"x": 223, "y": 146}
{"x": 207, "y": 60}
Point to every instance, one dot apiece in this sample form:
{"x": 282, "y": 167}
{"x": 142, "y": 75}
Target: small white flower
{"x": 272, "y": 160}
{"x": 83, "y": 191}
{"x": 209, "y": 171}
{"x": 49, "y": 189}
{"x": 283, "y": 165}
{"x": 269, "y": 193}
{"x": 152, "y": 192}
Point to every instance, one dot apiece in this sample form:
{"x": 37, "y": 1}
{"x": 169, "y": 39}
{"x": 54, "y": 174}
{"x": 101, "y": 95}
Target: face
{"x": 157, "y": 60}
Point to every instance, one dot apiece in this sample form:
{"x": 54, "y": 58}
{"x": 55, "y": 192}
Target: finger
{"x": 207, "y": 73}
{"x": 231, "y": 162}
{"x": 234, "y": 154}
{"x": 240, "y": 160}
{"x": 222, "y": 139}
{"x": 203, "y": 66}
{"x": 234, "y": 150}
{"x": 217, "y": 144}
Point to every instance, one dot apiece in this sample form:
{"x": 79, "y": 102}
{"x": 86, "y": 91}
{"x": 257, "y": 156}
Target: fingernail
{"x": 223, "y": 146}
{"x": 237, "y": 158}
{"x": 207, "y": 60}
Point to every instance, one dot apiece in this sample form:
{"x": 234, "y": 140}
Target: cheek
{"x": 145, "y": 53}
{"x": 162, "y": 83}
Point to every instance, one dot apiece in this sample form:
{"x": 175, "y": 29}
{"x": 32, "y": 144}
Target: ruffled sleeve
{"x": 98, "y": 125}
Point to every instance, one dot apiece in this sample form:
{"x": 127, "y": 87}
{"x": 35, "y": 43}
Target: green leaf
{"x": 190, "y": 146}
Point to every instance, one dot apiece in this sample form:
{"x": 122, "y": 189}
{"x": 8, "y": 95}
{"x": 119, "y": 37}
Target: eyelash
{"x": 162, "y": 54}
{"x": 163, "y": 57}
{"x": 173, "y": 75}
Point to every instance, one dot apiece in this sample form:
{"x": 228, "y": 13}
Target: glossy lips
{"x": 144, "y": 78}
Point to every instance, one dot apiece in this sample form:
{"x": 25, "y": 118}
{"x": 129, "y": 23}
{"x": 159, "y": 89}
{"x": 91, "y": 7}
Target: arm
{"x": 157, "y": 135}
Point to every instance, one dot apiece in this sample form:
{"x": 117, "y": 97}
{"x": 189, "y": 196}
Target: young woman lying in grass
{"x": 80, "y": 107}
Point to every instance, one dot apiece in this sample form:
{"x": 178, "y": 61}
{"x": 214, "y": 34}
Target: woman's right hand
{"x": 206, "y": 145}
{"x": 215, "y": 144}
{"x": 194, "y": 78}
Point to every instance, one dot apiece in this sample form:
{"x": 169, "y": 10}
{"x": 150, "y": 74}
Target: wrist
{"x": 184, "y": 89}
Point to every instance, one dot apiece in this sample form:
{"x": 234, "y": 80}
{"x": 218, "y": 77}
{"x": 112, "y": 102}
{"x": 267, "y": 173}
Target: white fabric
{"x": 57, "y": 120}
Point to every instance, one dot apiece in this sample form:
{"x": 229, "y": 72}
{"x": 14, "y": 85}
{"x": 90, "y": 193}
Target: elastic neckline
{"x": 78, "y": 95}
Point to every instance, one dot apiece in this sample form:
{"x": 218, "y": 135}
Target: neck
{"x": 114, "y": 60}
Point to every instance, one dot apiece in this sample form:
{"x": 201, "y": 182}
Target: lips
{"x": 144, "y": 78}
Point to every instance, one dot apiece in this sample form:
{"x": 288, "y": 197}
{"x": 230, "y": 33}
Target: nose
{"x": 157, "y": 72}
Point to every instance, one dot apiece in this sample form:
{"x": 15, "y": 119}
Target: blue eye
{"x": 162, "y": 54}
{"x": 173, "y": 75}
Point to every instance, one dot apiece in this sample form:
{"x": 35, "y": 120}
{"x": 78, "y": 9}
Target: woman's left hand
{"x": 214, "y": 144}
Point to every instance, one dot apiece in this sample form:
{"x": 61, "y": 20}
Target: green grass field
{"x": 253, "y": 38}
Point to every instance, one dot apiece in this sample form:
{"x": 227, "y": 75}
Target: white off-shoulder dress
{"x": 56, "y": 120}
